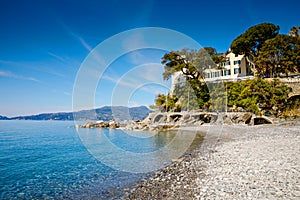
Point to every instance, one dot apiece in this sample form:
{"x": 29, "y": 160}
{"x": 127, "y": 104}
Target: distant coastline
{"x": 105, "y": 113}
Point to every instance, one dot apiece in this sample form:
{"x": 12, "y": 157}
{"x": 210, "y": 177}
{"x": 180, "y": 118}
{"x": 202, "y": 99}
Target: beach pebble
{"x": 241, "y": 162}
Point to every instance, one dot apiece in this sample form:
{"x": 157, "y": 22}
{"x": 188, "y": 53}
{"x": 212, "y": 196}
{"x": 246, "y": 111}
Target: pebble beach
{"x": 233, "y": 162}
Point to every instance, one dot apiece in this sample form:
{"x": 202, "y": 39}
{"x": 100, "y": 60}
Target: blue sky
{"x": 43, "y": 43}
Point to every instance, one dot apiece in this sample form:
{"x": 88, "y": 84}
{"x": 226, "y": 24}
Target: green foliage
{"x": 265, "y": 50}
{"x": 258, "y": 95}
{"x": 187, "y": 97}
{"x": 250, "y": 42}
{"x": 217, "y": 101}
{"x": 292, "y": 107}
{"x": 201, "y": 91}
{"x": 190, "y": 99}
{"x": 295, "y": 31}
{"x": 279, "y": 55}
{"x": 210, "y": 50}
{"x": 216, "y": 58}
{"x": 271, "y": 53}
{"x": 191, "y": 64}
{"x": 166, "y": 103}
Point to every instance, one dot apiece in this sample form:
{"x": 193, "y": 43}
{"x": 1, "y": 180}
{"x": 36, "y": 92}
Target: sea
{"x": 51, "y": 160}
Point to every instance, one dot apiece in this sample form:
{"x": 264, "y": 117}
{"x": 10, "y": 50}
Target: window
{"x": 236, "y": 62}
{"x": 228, "y": 72}
{"x": 237, "y": 70}
{"x": 236, "y": 55}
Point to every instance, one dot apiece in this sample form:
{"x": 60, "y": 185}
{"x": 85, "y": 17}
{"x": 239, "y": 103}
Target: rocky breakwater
{"x": 157, "y": 121}
{"x": 101, "y": 124}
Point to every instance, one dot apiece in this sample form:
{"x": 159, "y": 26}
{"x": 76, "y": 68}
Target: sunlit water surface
{"x": 47, "y": 159}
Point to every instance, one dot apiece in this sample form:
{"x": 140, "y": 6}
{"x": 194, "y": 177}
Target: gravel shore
{"x": 233, "y": 162}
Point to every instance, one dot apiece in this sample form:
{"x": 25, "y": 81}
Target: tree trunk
{"x": 252, "y": 67}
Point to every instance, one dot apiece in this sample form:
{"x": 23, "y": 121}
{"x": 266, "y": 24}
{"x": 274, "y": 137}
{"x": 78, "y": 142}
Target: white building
{"x": 177, "y": 79}
{"x": 235, "y": 68}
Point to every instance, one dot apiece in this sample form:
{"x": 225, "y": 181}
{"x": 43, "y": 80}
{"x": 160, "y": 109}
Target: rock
{"x": 177, "y": 160}
{"x": 227, "y": 120}
{"x": 87, "y": 125}
{"x": 199, "y": 123}
{"x": 100, "y": 124}
{"x": 247, "y": 118}
{"x": 113, "y": 124}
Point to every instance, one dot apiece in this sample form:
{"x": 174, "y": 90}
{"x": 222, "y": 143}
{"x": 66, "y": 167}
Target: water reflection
{"x": 125, "y": 152}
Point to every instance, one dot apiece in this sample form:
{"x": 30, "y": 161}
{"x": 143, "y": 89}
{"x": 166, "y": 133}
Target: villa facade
{"x": 235, "y": 68}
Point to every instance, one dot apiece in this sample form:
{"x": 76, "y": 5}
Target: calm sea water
{"x": 47, "y": 159}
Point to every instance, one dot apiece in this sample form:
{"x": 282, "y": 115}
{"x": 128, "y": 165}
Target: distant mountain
{"x": 46, "y": 116}
{"x": 3, "y": 118}
{"x": 119, "y": 113}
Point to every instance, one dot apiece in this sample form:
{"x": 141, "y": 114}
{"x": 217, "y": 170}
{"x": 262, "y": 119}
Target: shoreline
{"x": 238, "y": 162}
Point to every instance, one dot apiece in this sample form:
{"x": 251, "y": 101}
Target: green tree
{"x": 191, "y": 64}
{"x": 234, "y": 90}
{"x": 295, "y": 31}
{"x": 217, "y": 101}
{"x": 187, "y": 98}
{"x": 210, "y": 50}
{"x": 166, "y": 103}
{"x": 258, "y": 95}
{"x": 279, "y": 55}
{"x": 250, "y": 42}
{"x": 217, "y": 58}
{"x": 292, "y": 107}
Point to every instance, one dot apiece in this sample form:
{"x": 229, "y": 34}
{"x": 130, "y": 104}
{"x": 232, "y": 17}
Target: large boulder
{"x": 87, "y": 125}
{"x": 113, "y": 124}
{"x": 247, "y": 118}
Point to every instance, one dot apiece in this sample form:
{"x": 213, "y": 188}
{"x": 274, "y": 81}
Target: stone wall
{"x": 294, "y": 83}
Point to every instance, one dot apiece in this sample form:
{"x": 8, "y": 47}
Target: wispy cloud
{"x": 110, "y": 78}
{"x": 36, "y": 66}
{"x": 67, "y": 93}
{"x": 100, "y": 60}
{"x": 76, "y": 36}
{"x": 16, "y": 76}
{"x": 134, "y": 41}
{"x": 84, "y": 43}
{"x": 145, "y": 77}
{"x": 131, "y": 44}
{"x": 7, "y": 62}
{"x": 60, "y": 58}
